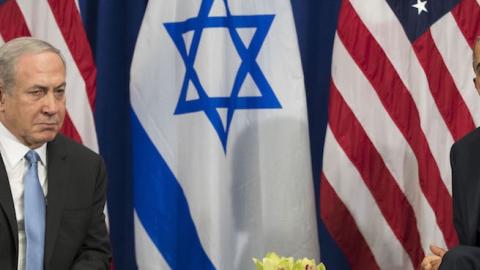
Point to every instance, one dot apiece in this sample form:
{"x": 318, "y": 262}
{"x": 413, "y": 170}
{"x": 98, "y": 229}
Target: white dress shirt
{"x": 13, "y": 155}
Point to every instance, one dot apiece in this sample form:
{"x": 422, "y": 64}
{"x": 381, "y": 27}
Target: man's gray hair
{"x": 11, "y": 51}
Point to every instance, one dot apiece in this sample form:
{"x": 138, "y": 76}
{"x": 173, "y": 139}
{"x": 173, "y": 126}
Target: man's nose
{"x": 50, "y": 103}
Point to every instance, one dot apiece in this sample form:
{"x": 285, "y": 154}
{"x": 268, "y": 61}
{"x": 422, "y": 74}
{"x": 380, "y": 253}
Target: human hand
{"x": 432, "y": 262}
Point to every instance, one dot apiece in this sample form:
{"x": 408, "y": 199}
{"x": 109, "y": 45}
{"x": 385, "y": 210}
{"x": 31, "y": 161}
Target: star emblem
{"x": 248, "y": 66}
{"x": 420, "y": 6}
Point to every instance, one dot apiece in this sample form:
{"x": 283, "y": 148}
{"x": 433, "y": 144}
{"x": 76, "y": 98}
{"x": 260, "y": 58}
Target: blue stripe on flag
{"x": 162, "y": 206}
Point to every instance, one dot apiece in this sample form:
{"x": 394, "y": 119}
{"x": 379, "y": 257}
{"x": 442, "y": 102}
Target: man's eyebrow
{"x": 477, "y": 66}
{"x": 43, "y": 87}
{"x": 61, "y": 85}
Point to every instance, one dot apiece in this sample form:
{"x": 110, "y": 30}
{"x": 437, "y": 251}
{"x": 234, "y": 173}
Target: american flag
{"x": 401, "y": 94}
{"x": 59, "y": 23}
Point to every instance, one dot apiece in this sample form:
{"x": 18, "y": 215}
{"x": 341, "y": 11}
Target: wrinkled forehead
{"x": 46, "y": 62}
{"x": 35, "y": 56}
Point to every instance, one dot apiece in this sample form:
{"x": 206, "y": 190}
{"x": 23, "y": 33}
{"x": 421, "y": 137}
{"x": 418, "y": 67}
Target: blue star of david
{"x": 248, "y": 54}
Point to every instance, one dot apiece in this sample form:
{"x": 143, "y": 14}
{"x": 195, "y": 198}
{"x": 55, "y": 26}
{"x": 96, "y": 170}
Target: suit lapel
{"x": 57, "y": 175}
{"x": 6, "y": 203}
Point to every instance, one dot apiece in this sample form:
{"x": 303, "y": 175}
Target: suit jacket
{"x": 465, "y": 162}
{"x": 76, "y": 236}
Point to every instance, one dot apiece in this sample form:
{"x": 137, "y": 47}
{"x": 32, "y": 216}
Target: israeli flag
{"x": 222, "y": 167}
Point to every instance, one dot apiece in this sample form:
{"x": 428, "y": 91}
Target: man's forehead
{"x": 37, "y": 57}
{"x": 38, "y": 61}
{"x": 29, "y": 56}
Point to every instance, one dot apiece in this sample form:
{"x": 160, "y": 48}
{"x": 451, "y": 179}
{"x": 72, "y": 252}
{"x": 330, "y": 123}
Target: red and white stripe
{"x": 59, "y": 23}
{"x": 395, "y": 109}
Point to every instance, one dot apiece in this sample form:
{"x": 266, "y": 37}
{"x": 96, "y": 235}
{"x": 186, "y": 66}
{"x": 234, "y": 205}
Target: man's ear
{"x": 2, "y": 98}
{"x": 476, "y": 83}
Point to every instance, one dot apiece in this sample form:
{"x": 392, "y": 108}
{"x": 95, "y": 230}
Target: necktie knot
{"x": 32, "y": 157}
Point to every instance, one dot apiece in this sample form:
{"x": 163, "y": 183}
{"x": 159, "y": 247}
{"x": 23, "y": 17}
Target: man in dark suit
{"x": 52, "y": 190}
{"x": 465, "y": 163}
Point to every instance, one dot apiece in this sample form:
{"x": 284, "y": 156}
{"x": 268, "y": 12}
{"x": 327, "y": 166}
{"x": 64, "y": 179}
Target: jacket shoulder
{"x": 472, "y": 139}
{"x": 64, "y": 145}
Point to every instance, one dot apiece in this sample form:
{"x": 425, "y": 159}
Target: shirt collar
{"x": 14, "y": 151}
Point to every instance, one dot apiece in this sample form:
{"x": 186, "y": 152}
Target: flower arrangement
{"x": 272, "y": 261}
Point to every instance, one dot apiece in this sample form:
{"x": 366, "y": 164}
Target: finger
{"x": 426, "y": 266}
{"x": 438, "y": 250}
{"x": 431, "y": 258}
{"x": 426, "y": 262}
{"x": 435, "y": 265}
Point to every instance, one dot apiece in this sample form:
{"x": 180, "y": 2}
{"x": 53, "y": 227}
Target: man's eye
{"x": 60, "y": 92}
{"x": 36, "y": 92}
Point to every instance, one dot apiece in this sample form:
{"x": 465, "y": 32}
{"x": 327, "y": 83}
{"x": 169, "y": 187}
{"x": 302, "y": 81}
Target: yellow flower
{"x": 272, "y": 261}
{"x": 304, "y": 264}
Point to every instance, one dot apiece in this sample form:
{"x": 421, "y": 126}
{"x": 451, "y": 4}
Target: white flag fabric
{"x": 220, "y": 140}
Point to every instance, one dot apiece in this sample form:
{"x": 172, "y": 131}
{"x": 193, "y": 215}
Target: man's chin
{"x": 50, "y": 136}
{"x": 44, "y": 137}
